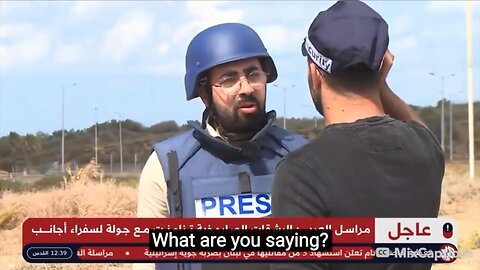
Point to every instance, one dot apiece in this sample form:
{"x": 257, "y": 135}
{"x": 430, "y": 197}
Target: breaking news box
{"x": 190, "y": 240}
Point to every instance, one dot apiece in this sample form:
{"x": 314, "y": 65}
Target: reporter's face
{"x": 239, "y": 95}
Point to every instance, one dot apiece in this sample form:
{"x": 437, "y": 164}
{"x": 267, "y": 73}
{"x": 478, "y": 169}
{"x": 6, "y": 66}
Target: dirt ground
{"x": 460, "y": 201}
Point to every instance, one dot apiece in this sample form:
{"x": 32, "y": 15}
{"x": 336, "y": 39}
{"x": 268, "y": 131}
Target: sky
{"x": 127, "y": 58}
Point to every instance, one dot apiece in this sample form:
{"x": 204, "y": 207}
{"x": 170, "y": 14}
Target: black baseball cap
{"x": 347, "y": 34}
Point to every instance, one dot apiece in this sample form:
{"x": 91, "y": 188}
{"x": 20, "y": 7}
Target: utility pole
{"x": 63, "y": 125}
{"x": 471, "y": 141}
{"x": 96, "y": 137}
{"x": 121, "y": 144}
{"x": 442, "y": 104}
{"x": 443, "y": 115}
{"x": 285, "y": 108}
{"x": 63, "y": 129}
{"x": 284, "y": 103}
{"x": 451, "y": 131}
{"x": 135, "y": 161}
{"x": 0, "y": 112}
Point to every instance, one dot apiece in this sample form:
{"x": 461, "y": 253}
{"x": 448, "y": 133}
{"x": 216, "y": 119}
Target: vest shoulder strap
{"x": 183, "y": 145}
{"x": 173, "y": 153}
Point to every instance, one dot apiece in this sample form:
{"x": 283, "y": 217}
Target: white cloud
{"x": 449, "y": 6}
{"x": 428, "y": 33}
{"x": 174, "y": 68}
{"x": 8, "y": 7}
{"x": 163, "y": 48}
{"x": 167, "y": 37}
{"x": 401, "y": 25}
{"x": 22, "y": 44}
{"x": 202, "y": 15}
{"x": 280, "y": 38}
{"x": 404, "y": 45}
{"x": 274, "y": 36}
{"x": 212, "y": 11}
{"x": 128, "y": 33}
{"x": 13, "y": 31}
{"x": 68, "y": 54}
{"x": 82, "y": 10}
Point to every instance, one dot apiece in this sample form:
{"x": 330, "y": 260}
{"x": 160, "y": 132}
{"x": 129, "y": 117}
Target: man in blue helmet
{"x": 375, "y": 157}
{"x": 223, "y": 167}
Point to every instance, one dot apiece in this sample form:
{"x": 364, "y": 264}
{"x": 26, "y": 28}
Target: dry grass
{"x": 87, "y": 193}
{"x": 90, "y": 173}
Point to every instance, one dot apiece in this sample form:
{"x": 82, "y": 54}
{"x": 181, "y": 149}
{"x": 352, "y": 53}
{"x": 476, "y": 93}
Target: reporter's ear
{"x": 202, "y": 94}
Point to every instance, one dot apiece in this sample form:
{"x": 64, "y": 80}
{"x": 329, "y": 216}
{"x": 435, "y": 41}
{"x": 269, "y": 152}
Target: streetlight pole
{"x": 442, "y": 120}
{"x": 121, "y": 145}
{"x": 285, "y": 108}
{"x": 443, "y": 114}
{"x": 451, "y": 131}
{"x": 96, "y": 137}
{"x": 0, "y": 112}
{"x": 63, "y": 125}
{"x": 471, "y": 138}
{"x": 284, "y": 104}
{"x": 63, "y": 129}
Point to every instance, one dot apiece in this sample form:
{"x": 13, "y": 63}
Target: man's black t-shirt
{"x": 374, "y": 167}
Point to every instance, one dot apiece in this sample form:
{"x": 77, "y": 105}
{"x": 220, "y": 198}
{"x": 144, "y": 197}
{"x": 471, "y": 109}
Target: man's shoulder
{"x": 182, "y": 146}
{"x": 422, "y": 132}
{"x": 181, "y": 143}
{"x": 320, "y": 148}
{"x": 175, "y": 140}
{"x": 306, "y": 152}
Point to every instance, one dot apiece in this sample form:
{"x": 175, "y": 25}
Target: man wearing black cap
{"x": 375, "y": 156}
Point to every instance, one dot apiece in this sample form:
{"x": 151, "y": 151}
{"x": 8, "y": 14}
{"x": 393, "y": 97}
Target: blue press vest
{"x": 207, "y": 177}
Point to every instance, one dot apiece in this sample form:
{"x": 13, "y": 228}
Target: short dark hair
{"x": 356, "y": 79}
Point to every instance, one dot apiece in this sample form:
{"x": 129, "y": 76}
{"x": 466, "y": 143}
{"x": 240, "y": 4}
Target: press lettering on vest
{"x": 208, "y": 203}
{"x": 242, "y": 205}
{"x": 245, "y": 204}
{"x": 228, "y": 205}
{"x": 265, "y": 202}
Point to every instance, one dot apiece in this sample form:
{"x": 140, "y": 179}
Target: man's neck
{"x": 235, "y": 139}
{"x": 350, "y": 108}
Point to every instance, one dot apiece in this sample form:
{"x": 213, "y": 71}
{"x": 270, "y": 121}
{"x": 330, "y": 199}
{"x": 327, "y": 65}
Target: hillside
{"x": 41, "y": 152}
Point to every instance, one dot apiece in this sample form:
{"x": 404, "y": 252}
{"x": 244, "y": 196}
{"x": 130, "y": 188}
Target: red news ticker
{"x": 116, "y": 253}
{"x": 135, "y": 230}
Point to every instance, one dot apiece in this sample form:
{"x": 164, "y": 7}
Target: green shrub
{"x": 124, "y": 180}
{"x": 47, "y": 182}
{"x": 11, "y": 185}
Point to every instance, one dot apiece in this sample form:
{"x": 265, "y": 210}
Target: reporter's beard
{"x": 232, "y": 122}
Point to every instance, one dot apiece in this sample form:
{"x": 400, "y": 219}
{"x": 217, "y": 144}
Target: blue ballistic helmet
{"x": 221, "y": 44}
